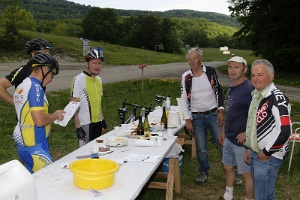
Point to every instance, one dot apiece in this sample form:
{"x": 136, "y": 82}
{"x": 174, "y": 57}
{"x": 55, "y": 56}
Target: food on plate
{"x": 116, "y": 141}
{"x": 104, "y": 149}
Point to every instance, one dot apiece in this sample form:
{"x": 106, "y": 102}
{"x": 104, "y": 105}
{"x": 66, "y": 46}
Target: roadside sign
{"x": 85, "y": 46}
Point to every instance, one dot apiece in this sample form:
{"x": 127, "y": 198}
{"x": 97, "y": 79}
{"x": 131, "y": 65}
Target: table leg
{"x": 171, "y": 179}
{"x": 177, "y": 176}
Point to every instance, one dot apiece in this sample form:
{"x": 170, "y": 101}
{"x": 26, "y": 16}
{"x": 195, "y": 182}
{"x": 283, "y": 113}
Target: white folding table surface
{"x": 55, "y": 182}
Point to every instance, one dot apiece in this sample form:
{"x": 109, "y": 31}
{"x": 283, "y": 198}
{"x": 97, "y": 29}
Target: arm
{"x": 222, "y": 136}
{"x": 184, "y": 100}
{"x": 42, "y": 119}
{"x": 281, "y": 111}
{"x": 219, "y": 93}
{"x": 4, "y": 85}
{"x": 247, "y": 156}
{"x": 220, "y": 117}
{"x": 76, "y": 118}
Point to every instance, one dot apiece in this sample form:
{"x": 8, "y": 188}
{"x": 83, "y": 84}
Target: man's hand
{"x": 262, "y": 156}
{"x": 189, "y": 126}
{"x": 80, "y": 133}
{"x": 247, "y": 156}
{"x": 220, "y": 118}
{"x": 104, "y": 125}
{"x": 241, "y": 137}
{"x": 222, "y": 137}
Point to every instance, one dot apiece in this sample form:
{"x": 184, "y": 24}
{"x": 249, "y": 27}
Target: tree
{"x": 170, "y": 37}
{"x": 197, "y": 38}
{"x": 61, "y": 29}
{"x": 101, "y": 24}
{"x": 270, "y": 30}
{"x": 13, "y": 18}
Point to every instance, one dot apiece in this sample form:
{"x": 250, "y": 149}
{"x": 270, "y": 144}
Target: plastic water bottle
{"x": 168, "y": 104}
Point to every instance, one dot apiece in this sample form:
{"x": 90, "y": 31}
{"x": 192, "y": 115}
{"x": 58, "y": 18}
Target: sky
{"x": 218, "y": 6}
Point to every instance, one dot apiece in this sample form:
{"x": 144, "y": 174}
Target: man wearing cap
{"x": 233, "y": 135}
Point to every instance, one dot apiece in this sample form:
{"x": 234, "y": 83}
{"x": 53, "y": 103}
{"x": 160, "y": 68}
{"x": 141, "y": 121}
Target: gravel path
{"x": 123, "y": 73}
{"x": 292, "y": 93}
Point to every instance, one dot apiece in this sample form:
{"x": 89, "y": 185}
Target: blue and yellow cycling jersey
{"x": 30, "y": 96}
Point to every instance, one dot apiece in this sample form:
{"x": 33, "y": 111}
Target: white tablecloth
{"x": 55, "y": 182}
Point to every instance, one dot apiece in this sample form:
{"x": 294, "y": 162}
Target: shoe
{"x": 201, "y": 178}
{"x": 238, "y": 181}
{"x": 222, "y": 198}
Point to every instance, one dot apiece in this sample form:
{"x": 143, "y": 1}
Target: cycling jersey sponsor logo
{"x": 38, "y": 93}
{"x": 262, "y": 113}
{"x": 18, "y": 97}
{"x": 20, "y": 91}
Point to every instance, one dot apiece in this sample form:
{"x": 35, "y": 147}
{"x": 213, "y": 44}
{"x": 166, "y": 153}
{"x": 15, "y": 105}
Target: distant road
{"x": 109, "y": 74}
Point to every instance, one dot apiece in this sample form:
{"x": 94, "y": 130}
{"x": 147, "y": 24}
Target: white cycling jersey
{"x": 89, "y": 90}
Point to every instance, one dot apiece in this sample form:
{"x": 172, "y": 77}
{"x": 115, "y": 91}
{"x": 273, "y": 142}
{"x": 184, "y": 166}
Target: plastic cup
{"x": 159, "y": 141}
{"x": 118, "y": 130}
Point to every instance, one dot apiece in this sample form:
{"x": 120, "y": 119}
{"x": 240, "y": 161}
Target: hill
{"x": 62, "y": 9}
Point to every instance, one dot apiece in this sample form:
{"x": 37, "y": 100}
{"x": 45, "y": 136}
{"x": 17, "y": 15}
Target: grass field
{"x": 63, "y": 141}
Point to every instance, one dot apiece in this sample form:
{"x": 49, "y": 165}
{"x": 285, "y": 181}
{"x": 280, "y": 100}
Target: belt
{"x": 205, "y": 112}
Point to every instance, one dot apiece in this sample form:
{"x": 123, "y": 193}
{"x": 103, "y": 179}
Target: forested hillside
{"x": 62, "y": 9}
{"x": 171, "y": 30}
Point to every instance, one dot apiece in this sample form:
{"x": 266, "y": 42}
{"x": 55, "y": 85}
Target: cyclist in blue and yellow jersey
{"x": 87, "y": 88}
{"x": 33, "y": 127}
{"x": 18, "y": 75}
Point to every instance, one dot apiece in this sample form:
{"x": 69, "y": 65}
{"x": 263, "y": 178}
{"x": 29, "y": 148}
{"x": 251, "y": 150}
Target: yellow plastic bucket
{"x": 94, "y": 173}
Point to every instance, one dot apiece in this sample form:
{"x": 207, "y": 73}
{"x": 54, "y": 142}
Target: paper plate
{"x": 117, "y": 141}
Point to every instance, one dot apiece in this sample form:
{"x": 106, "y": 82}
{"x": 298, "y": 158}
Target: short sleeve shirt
{"x": 17, "y": 76}
{"x": 237, "y": 105}
{"x": 30, "y": 96}
{"x": 89, "y": 90}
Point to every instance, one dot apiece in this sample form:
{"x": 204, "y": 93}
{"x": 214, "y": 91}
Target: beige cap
{"x": 237, "y": 59}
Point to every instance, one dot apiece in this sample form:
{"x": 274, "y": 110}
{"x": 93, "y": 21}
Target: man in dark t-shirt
{"x": 233, "y": 134}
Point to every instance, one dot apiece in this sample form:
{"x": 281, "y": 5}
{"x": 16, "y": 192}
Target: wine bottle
{"x": 164, "y": 119}
{"x": 168, "y": 106}
{"x": 146, "y": 128}
{"x": 140, "y": 128}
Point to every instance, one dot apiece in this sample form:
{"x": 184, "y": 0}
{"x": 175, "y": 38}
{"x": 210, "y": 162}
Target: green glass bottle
{"x": 164, "y": 118}
{"x": 140, "y": 128}
{"x": 146, "y": 128}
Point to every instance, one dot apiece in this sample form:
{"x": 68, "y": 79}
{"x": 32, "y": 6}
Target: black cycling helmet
{"x": 37, "y": 44}
{"x": 44, "y": 59}
{"x": 96, "y": 52}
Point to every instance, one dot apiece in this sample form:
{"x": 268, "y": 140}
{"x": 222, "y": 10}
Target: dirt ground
{"x": 70, "y": 68}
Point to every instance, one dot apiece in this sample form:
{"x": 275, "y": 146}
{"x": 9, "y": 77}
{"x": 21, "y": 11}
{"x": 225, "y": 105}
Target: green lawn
{"x": 63, "y": 140}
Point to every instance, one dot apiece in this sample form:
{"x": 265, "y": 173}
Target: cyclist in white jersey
{"x": 87, "y": 89}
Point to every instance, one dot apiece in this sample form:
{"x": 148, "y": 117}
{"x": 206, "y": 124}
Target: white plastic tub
{"x": 16, "y": 182}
